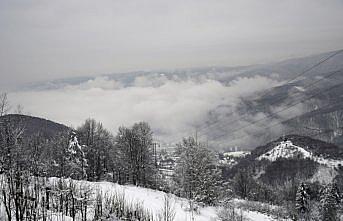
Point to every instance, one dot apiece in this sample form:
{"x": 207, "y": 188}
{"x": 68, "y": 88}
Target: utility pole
{"x": 155, "y": 153}
{"x": 154, "y": 146}
{"x": 196, "y": 135}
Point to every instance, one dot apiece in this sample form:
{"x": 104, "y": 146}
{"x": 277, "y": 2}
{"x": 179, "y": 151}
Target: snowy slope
{"x": 231, "y": 158}
{"x": 152, "y": 200}
{"x": 286, "y": 149}
{"x": 237, "y": 154}
{"x": 324, "y": 175}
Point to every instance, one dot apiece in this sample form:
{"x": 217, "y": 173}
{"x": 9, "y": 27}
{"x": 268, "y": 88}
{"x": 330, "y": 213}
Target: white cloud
{"x": 104, "y": 83}
{"x": 172, "y": 108}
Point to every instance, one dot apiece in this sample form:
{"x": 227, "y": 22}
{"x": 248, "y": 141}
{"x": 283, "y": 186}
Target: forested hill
{"x": 33, "y": 125}
{"x": 292, "y": 157}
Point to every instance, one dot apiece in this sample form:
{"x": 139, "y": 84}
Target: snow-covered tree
{"x": 302, "y": 201}
{"x": 196, "y": 177}
{"x": 339, "y": 180}
{"x": 65, "y": 156}
{"x": 98, "y": 145}
{"x": 76, "y": 158}
{"x": 329, "y": 203}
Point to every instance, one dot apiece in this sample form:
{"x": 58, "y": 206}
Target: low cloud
{"x": 173, "y": 108}
{"x": 104, "y": 83}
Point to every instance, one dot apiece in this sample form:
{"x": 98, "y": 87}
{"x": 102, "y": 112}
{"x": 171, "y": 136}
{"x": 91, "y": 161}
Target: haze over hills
{"x": 282, "y": 70}
{"x": 223, "y": 103}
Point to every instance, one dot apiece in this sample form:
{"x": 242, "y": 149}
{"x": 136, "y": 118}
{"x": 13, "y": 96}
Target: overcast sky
{"x": 42, "y": 39}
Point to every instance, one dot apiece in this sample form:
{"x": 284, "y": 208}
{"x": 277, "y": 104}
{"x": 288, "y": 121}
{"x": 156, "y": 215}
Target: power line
{"x": 275, "y": 101}
{"x": 280, "y": 122}
{"x": 288, "y": 107}
{"x": 311, "y": 68}
{"x": 289, "y": 132}
{"x": 284, "y": 109}
{"x": 267, "y": 90}
{"x": 289, "y": 81}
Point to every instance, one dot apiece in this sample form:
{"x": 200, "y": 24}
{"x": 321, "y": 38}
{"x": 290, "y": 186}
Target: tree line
{"x": 91, "y": 152}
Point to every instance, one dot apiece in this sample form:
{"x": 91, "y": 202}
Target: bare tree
{"x": 228, "y": 212}
{"x": 136, "y": 154}
{"x": 243, "y": 183}
{"x": 4, "y": 104}
{"x": 167, "y": 213}
{"x": 19, "y": 109}
{"x": 98, "y": 145}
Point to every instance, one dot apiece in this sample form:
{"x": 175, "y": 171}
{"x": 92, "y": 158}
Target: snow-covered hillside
{"x": 231, "y": 158}
{"x": 237, "y": 154}
{"x": 153, "y": 201}
{"x": 286, "y": 149}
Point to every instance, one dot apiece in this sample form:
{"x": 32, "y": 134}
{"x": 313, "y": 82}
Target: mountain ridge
{"x": 287, "y": 66}
{"x": 34, "y": 125}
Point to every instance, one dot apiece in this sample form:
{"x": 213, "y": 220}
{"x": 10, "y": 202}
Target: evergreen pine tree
{"x": 67, "y": 157}
{"x": 329, "y": 203}
{"x": 302, "y": 201}
{"x": 209, "y": 186}
{"x": 339, "y": 179}
{"x": 76, "y": 158}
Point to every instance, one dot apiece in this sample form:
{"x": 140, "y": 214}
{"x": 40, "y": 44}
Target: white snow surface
{"x": 324, "y": 175}
{"x": 152, "y": 200}
{"x": 230, "y": 158}
{"x": 236, "y": 154}
{"x": 256, "y": 216}
{"x": 286, "y": 149}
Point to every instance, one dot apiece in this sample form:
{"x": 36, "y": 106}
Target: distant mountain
{"x": 298, "y": 157}
{"x": 310, "y": 105}
{"x": 314, "y": 147}
{"x": 292, "y": 157}
{"x": 278, "y": 70}
{"x": 33, "y": 125}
